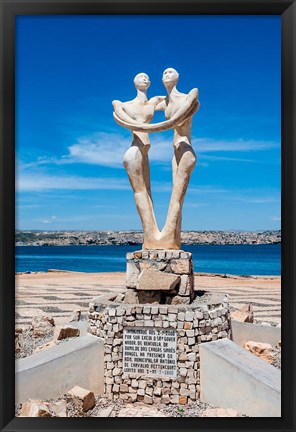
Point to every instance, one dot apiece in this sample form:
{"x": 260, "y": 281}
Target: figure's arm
{"x": 176, "y": 120}
{"x": 186, "y": 110}
{"x": 120, "y": 113}
{"x": 193, "y": 94}
{"x": 191, "y": 105}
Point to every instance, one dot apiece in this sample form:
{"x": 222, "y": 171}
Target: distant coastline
{"x": 123, "y": 238}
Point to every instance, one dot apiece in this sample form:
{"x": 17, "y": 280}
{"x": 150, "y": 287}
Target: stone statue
{"x": 136, "y": 116}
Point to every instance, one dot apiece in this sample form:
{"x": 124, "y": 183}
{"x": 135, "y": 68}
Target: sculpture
{"x": 136, "y": 116}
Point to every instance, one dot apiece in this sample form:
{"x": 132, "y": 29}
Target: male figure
{"x": 184, "y": 158}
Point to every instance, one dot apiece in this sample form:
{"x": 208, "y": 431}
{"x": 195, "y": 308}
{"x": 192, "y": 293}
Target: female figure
{"x": 136, "y": 162}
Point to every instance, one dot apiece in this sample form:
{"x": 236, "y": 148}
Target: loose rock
{"x": 261, "y": 350}
{"x": 245, "y": 314}
{"x": 82, "y": 397}
{"x": 42, "y": 325}
{"x": 35, "y": 408}
{"x": 67, "y": 331}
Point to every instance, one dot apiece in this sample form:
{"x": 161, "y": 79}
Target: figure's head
{"x": 170, "y": 76}
{"x": 142, "y": 81}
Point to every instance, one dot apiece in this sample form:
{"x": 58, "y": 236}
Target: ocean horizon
{"x": 243, "y": 260}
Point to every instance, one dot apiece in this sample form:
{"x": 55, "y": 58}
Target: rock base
{"x": 159, "y": 276}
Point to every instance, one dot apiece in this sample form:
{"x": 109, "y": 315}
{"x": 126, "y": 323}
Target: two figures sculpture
{"x": 136, "y": 115}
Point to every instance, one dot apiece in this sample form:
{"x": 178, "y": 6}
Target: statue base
{"x": 161, "y": 276}
{"x": 151, "y": 352}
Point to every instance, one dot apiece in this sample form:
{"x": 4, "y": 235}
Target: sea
{"x": 224, "y": 259}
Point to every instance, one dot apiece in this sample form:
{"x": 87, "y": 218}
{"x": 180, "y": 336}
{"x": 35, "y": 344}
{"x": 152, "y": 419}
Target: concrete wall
{"x": 242, "y": 332}
{"x": 54, "y": 371}
{"x": 231, "y": 377}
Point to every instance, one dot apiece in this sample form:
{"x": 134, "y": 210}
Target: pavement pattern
{"x": 59, "y": 293}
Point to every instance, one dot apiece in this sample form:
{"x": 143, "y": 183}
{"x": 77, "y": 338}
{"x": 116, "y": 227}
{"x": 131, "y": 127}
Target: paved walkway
{"x": 59, "y": 293}
{"x": 263, "y": 293}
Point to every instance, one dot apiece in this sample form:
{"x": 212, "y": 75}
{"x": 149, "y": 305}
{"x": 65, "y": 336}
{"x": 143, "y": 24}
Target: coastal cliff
{"x": 67, "y": 238}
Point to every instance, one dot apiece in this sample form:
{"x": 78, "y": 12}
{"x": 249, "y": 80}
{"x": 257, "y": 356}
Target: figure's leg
{"x": 183, "y": 164}
{"x": 136, "y": 163}
{"x": 146, "y": 169}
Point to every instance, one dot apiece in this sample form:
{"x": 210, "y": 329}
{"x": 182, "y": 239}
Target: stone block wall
{"x": 194, "y": 324}
{"x": 164, "y": 276}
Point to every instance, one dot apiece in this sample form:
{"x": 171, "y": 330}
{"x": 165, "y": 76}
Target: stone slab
{"x": 250, "y": 385}
{"x": 153, "y": 280}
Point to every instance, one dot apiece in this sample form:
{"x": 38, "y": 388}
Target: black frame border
{"x": 8, "y": 10}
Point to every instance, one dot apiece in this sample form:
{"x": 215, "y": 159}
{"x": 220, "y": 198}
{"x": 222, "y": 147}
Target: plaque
{"x": 150, "y": 351}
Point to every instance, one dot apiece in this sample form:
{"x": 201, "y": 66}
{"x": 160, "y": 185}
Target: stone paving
{"x": 59, "y": 293}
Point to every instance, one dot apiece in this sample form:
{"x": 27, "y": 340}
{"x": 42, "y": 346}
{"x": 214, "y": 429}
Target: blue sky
{"x": 69, "y": 150}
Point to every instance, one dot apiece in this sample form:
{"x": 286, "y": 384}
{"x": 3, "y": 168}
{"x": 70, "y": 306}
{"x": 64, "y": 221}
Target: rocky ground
{"x": 28, "y": 343}
{"x": 278, "y": 357}
{"x": 66, "y": 238}
{"x": 106, "y": 408}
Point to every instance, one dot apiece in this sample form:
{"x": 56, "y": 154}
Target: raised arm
{"x": 120, "y": 113}
{"x": 190, "y": 102}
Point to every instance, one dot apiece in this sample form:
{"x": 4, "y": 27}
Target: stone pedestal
{"x": 152, "y": 350}
{"x": 162, "y": 276}
{"x": 153, "y": 331}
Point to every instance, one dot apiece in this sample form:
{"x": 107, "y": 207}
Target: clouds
{"x": 49, "y": 220}
{"x": 208, "y": 145}
{"x": 43, "y": 182}
{"x": 260, "y": 200}
{"x": 99, "y": 149}
{"x": 108, "y": 149}
{"x": 38, "y": 182}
